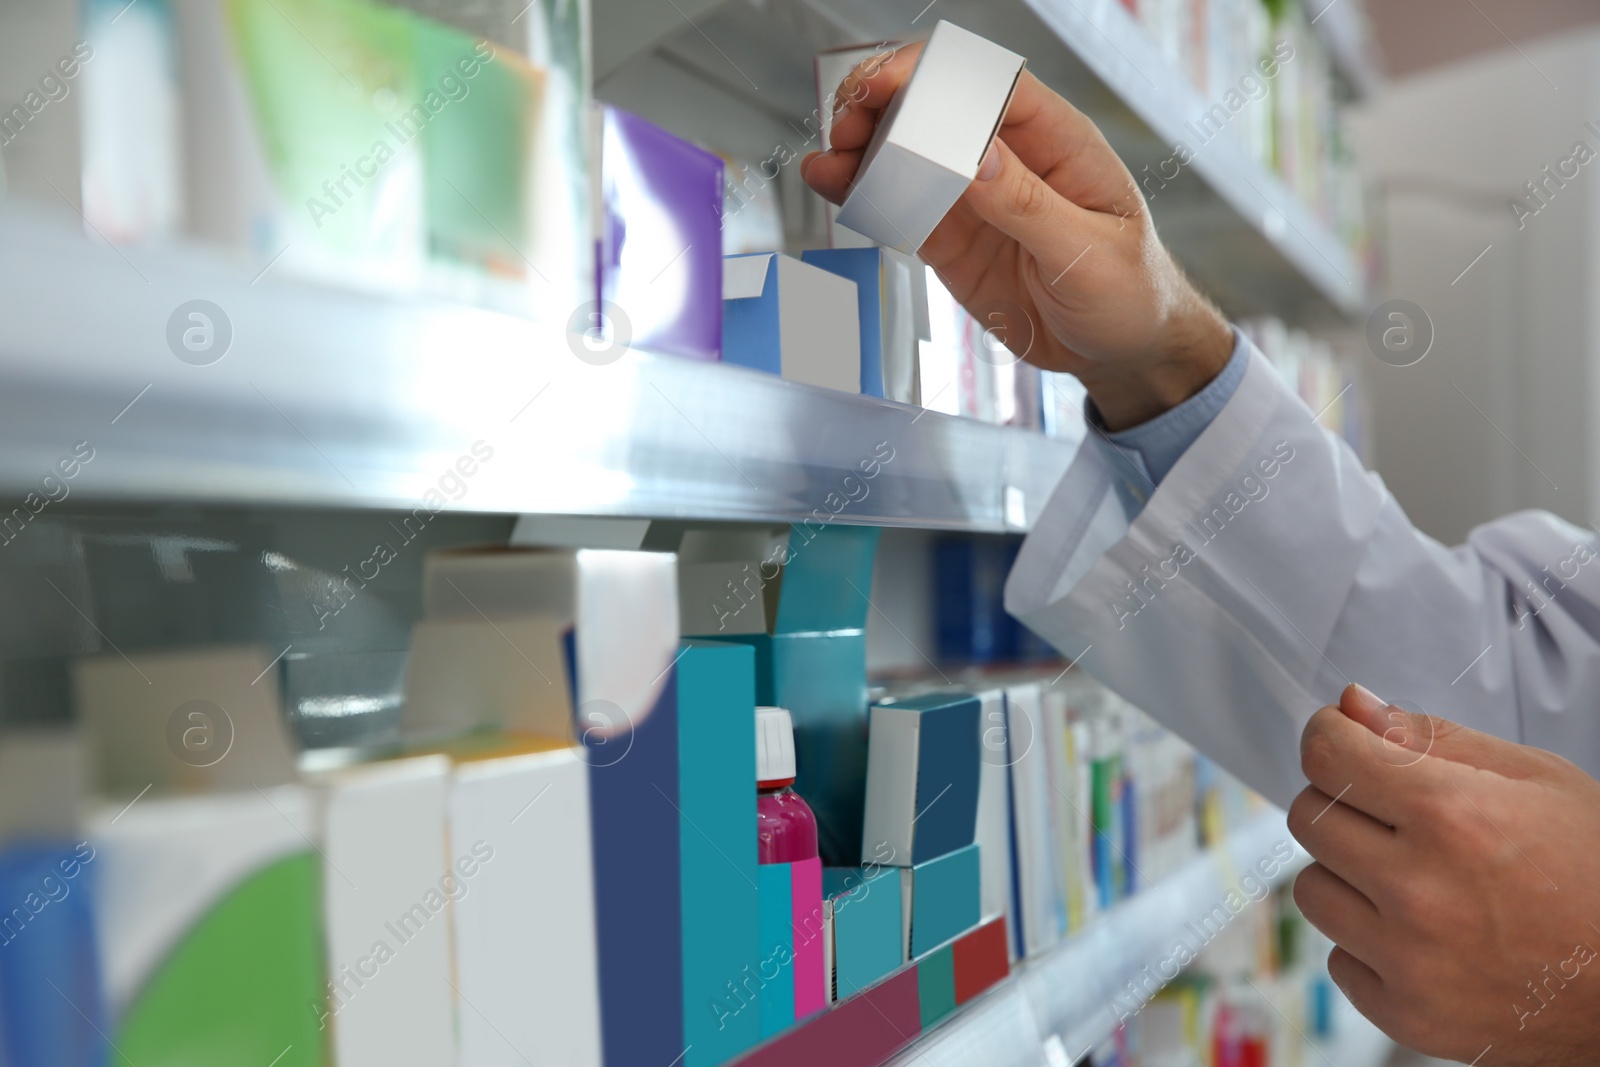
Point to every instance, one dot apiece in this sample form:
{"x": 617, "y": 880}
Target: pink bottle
{"x": 786, "y": 832}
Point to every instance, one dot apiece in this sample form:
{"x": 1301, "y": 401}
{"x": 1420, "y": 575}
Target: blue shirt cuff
{"x": 1142, "y": 455}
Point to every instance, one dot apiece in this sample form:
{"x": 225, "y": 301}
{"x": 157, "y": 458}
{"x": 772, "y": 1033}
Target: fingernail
{"x": 1367, "y": 699}
{"x": 989, "y": 170}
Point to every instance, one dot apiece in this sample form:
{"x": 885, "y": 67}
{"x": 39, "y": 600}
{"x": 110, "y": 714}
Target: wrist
{"x": 1198, "y": 346}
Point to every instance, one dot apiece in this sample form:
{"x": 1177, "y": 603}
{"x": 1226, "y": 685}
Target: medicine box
{"x": 932, "y": 138}
{"x": 717, "y": 846}
{"x": 383, "y": 832}
{"x": 524, "y": 822}
{"x": 47, "y": 938}
{"x": 887, "y": 307}
{"x": 994, "y": 831}
{"x": 922, "y": 778}
{"x": 660, "y": 245}
{"x": 209, "y": 916}
{"x": 775, "y": 985}
{"x": 1038, "y": 862}
{"x": 941, "y": 898}
{"x": 865, "y": 906}
{"x": 786, "y": 317}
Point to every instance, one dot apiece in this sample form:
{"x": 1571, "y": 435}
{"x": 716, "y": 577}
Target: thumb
{"x": 1429, "y": 735}
{"x": 1020, "y": 204}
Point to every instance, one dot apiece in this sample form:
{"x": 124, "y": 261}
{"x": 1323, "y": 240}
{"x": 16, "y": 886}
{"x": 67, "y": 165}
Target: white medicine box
{"x": 932, "y": 138}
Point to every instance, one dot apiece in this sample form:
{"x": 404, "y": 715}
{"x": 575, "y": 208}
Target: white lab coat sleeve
{"x": 1269, "y": 569}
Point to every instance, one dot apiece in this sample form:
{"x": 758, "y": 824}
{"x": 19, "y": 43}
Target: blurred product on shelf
{"x": 786, "y": 317}
{"x": 974, "y": 367}
{"x": 660, "y": 247}
{"x": 893, "y": 313}
{"x": 752, "y": 207}
{"x": 1266, "y": 79}
{"x": 1331, "y": 387}
{"x": 971, "y": 625}
{"x": 423, "y": 160}
{"x": 932, "y": 139}
{"x": 92, "y": 117}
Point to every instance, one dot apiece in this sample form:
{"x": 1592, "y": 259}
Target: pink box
{"x": 810, "y": 968}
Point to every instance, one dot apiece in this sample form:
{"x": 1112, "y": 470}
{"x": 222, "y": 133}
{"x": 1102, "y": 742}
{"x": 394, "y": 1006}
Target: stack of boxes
{"x": 560, "y": 857}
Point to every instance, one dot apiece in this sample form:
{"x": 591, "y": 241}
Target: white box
{"x": 932, "y": 138}
{"x": 994, "y": 832}
{"x": 384, "y": 841}
{"x": 622, "y": 607}
{"x": 526, "y": 955}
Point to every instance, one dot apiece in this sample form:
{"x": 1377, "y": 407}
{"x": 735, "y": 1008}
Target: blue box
{"x": 922, "y": 778}
{"x": 946, "y": 898}
{"x": 717, "y": 846}
{"x": 868, "y": 927}
{"x": 822, "y": 680}
{"x": 47, "y": 937}
{"x": 775, "y": 882}
{"x": 786, "y": 317}
{"x": 638, "y": 908}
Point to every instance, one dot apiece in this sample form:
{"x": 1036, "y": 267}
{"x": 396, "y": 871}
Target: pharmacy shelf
{"x": 1344, "y": 28}
{"x": 333, "y": 398}
{"x": 1236, "y": 227}
{"x": 1061, "y": 1002}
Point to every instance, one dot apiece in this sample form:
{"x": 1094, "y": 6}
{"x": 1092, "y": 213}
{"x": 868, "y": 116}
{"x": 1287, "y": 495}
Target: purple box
{"x": 660, "y": 254}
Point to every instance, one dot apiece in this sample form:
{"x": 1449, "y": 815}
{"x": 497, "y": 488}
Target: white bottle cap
{"x": 774, "y": 747}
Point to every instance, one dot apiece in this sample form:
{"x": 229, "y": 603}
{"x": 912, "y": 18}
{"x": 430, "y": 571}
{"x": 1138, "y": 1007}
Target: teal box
{"x": 775, "y": 884}
{"x": 936, "y": 985}
{"x": 868, "y": 927}
{"x": 827, "y": 576}
{"x": 717, "y": 846}
{"x": 822, "y": 680}
{"x": 946, "y": 898}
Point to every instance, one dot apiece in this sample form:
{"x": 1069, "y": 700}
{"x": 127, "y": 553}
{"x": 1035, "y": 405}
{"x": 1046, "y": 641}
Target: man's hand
{"x": 1052, "y": 250}
{"x": 1460, "y": 877}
